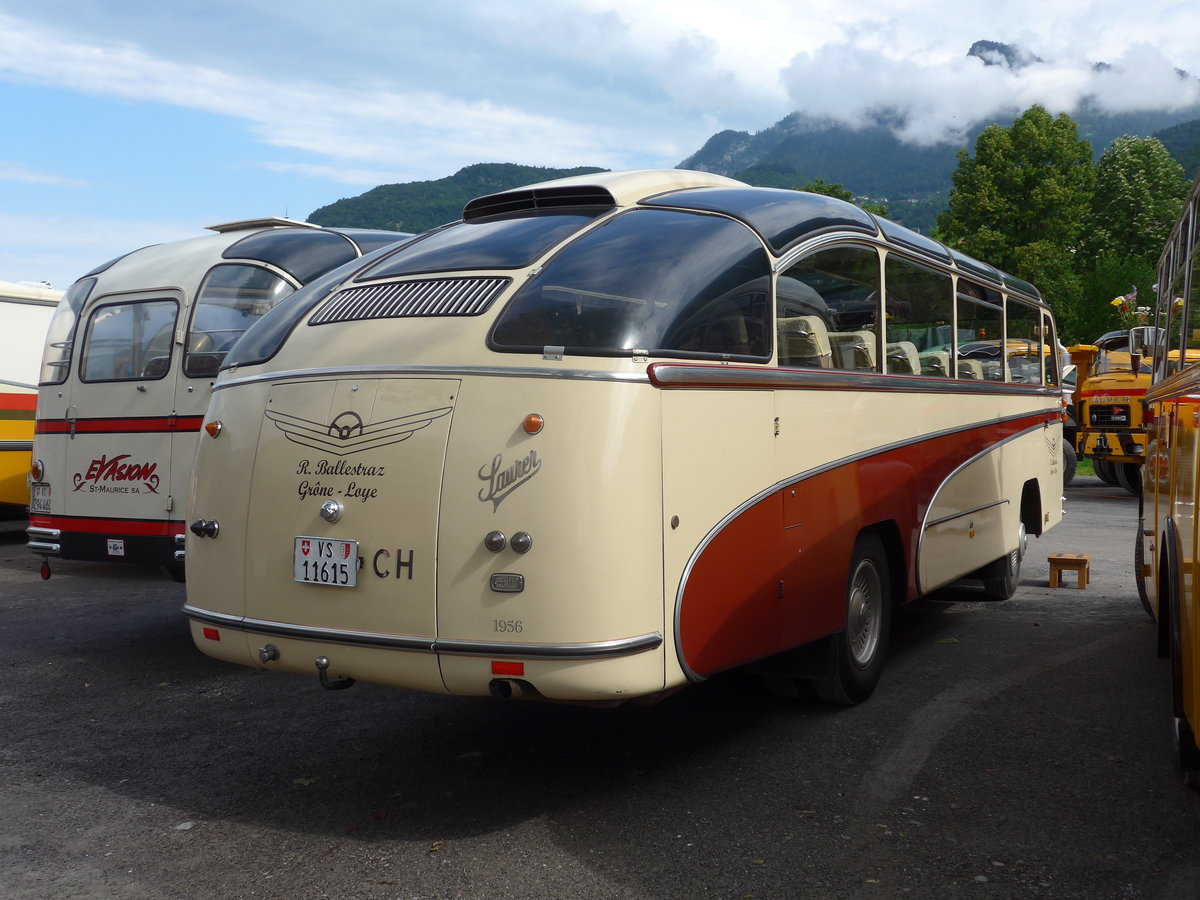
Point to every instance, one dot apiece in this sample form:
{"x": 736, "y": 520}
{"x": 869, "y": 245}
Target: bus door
{"x": 120, "y": 420}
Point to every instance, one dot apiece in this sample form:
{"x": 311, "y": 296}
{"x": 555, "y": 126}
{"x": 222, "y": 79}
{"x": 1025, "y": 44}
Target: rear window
{"x": 510, "y": 242}
{"x": 664, "y": 282}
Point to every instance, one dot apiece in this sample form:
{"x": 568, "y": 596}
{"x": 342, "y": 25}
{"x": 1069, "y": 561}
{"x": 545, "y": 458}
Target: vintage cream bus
{"x": 25, "y": 312}
{"x": 131, "y": 354}
{"x": 613, "y": 434}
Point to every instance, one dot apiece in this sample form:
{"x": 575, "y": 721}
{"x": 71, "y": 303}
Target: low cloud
{"x": 939, "y": 100}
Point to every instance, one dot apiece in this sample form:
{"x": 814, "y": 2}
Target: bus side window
{"x": 980, "y": 332}
{"x": 231, "y": 299}
{"x": 827, "y": 310}
{"x": 1025, "y": 348}
{"x": 919, "y": 305}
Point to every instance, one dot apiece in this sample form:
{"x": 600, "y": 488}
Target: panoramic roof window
{"x": 508, "y": 242}
{"x": 669, "y": 283}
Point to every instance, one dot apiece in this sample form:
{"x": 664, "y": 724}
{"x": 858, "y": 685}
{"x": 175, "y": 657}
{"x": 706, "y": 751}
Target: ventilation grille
{"x": 410, "y": 299}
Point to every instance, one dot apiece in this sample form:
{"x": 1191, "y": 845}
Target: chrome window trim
{"x": 448, "y": 646}
{"x": 384, "y": 371}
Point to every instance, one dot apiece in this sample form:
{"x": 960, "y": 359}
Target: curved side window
{"x": 663, "y": 282}
{"x": 231, "y": 299}
{"x": 60, "y": 336}
{"x": 827, "y": 306}
{"x": 129, "y": 341}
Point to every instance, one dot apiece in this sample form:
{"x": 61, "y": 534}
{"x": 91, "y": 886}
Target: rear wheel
{"x": 1000, "y": 577}
{"x": 1070, "y": 461}
{"x": 1139, "y": 564}
{"x": 856, "y": 654}
{"x": 1129, "y": 476}
{"x": 1104, "y": 470}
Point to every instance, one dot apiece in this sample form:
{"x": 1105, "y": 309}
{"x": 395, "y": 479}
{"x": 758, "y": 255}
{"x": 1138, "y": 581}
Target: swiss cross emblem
{"x": 304, "y": 547}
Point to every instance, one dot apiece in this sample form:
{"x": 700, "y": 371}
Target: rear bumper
{"x": 1114, "y": 445}
{"x": 115, "y": 546}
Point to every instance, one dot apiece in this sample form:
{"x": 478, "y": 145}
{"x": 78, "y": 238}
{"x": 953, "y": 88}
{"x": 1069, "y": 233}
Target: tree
{"x": 1140, "y": 189}
{"x": 1028, "y": 183}
{"x": 1021, "y": 202}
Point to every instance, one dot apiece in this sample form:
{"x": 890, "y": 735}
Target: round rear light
{"x": 37, "y": 470}
{"x": 533, "y": 423}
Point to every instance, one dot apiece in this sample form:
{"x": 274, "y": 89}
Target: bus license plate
{"x": 39, "y": 500}
{"x": 323, "y": 561}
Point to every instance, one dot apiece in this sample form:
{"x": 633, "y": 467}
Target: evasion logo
{"x": 347, "y": 433}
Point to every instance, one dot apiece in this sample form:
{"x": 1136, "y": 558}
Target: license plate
{"x": 323, "y": 561}
{"x": 39, "y": 500}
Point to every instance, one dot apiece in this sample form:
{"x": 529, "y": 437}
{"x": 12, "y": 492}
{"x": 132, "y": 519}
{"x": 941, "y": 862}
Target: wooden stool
{"x": 1076, "y": 562}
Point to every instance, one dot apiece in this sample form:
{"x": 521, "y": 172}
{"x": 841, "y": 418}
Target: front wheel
{"x": 856, "y": 653}
{"x": 1000, "y": 578}
{"x": 1104, "y": 470}
{"x": 1139, "y": 565}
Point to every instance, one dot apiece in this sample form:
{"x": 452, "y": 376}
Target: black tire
{"x": 1129, "y": 476}
{"x": 1001, "y": 577}
{"x": 856, "y": 654}
{"x": 1104, "y": 470}
{"x": 1139, "y": 562}
{"x": 1070, "y": 462}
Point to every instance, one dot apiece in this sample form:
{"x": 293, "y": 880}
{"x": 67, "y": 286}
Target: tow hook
{"x": 322, "y": 663}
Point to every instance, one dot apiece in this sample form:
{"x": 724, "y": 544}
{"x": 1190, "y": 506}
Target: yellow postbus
{"x": 1166, "y": 549}
{"x": 611, "y": 435}
{"x": 25, "y": 312}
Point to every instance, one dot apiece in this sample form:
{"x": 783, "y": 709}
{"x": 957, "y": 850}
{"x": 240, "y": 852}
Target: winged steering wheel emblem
{"x": 347, "y": 433}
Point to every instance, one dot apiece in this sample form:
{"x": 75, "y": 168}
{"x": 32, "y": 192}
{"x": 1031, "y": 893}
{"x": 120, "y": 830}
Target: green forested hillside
{"x": 420, "y": 205}
{"x": 1183, "y": 142}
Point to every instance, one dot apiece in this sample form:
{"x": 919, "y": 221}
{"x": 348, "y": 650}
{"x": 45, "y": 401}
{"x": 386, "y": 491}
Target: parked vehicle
{"x": 1166, "y": 561}
{"x": 25, "y": 312}
{"x": 1110, "y": 403}
{"x": 130, "y": 357}
{"x": 611, "y": 435}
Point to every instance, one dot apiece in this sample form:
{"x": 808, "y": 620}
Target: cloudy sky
{"x": 128, "y": 122}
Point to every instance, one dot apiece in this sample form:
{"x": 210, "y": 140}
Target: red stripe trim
{"x": 18, "y": 401}
{"x": 1114, "y": 392}
{"x": 133, "y": 425}
{"x": 139, "y": 527}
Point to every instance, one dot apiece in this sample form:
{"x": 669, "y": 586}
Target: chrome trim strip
{"x": 449, "y": 646}
{"x": 16, "y": 445}
{"x": 925, "y": 524}
{"x": 700, "y": 376}
{"x": 39, "y": 547}
{"x": 811, "y": 473}
{"x": 966, "y": 512}
{"x": 50, "y": 534}
{"x": 385, "y": 371}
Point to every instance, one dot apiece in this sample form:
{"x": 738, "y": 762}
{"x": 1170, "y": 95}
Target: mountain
{"x": 871, "y": 162}
{"x": 1183, "y": 142}
{"x": 417, "y": 206}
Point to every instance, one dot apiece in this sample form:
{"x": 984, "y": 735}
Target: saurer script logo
{"x": 347, "y": 433}
{"x": 116, "y": 476}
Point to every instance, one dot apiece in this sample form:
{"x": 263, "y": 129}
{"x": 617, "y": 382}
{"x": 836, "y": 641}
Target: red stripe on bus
{"x": 139, "y": 425}
{"x": 17, "y": 401}
{"x": 1114, "y": 392}
{"x": 775, "y": 576}
{"x": 116, "y": 527}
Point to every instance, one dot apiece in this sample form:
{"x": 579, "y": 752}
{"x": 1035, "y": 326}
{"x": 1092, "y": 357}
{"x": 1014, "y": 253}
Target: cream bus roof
{"x": 620, "y": 188}
{"x": 34, "y": 293}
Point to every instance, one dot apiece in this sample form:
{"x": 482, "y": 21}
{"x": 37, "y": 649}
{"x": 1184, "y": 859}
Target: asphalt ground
{"x": 1015, "y": 749}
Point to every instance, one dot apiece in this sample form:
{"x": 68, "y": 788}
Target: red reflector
{"x": 507, "y": 668}
{"x": 212, "y": 634}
